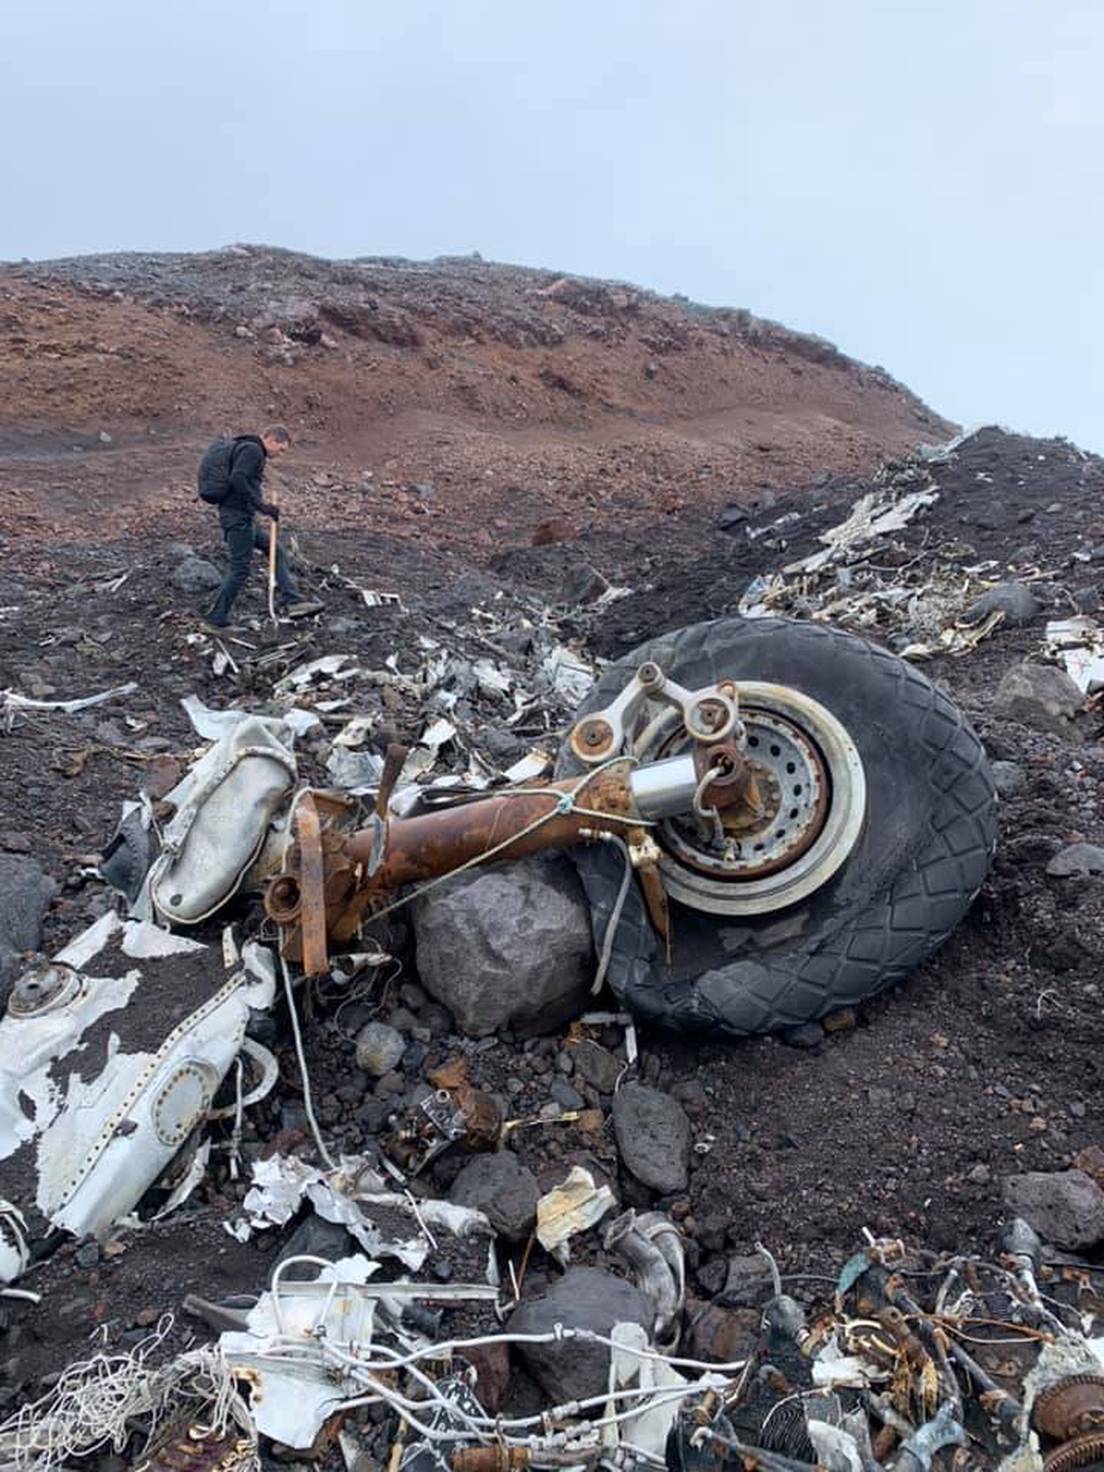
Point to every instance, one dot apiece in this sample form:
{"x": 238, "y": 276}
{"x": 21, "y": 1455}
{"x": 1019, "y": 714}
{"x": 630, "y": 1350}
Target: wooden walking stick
{"x": 272, "y": 565}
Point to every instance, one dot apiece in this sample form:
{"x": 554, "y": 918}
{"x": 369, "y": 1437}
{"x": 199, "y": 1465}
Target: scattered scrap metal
{"x": 921, "y": 601}
{"x": 914, "y": 1361}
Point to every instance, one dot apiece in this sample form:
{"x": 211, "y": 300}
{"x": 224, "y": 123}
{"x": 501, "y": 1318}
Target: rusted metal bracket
{"x": 312, "y": 881}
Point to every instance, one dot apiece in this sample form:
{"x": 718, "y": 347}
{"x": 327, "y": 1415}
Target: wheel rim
{"x": 812, "y": 792}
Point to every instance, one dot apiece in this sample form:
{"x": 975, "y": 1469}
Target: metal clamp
{"x": 710, "y": 715}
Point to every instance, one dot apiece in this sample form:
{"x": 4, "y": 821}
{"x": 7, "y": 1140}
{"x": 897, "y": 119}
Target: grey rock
{"x": 25, "y": 894}
{"x": 390, "y": 1085}
{"x": 373, "y": 1115}
{"x": 1015, "y": 600}
{"x": 711, "y": 1276}
{"x": 1038, "y": 695}
{"x": 87, "y": 1255}
{"x": 437, "y": 1021}
{"x": 503, "y": 1189}
{"x": 806, "y": 1035}
{"x": 1077, "y": 858}
{"x": 653, "y": 1136}
{"x": 379, "y": 1048}
{"x": 314, "y": 1237}
{"x": 412, "y": 996}
{"x": 413, "y": 1057}
{"x": 507, "y": 947}
{"x": 565, "y": 1095}
{"x": 196, "y": 575}
{"x": 731, "y": 516}
{"x": 748, "y": 1281}
{"x": 597, "y": 1066}
{"x": 1008, "y": 778}
{"x": 1066, "y": 1207}
{"x": 584, "y": 1298}
{"x": 583, "y": 584}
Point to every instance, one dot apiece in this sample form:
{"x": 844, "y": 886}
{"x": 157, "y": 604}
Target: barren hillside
{"x": 508, "y": 396}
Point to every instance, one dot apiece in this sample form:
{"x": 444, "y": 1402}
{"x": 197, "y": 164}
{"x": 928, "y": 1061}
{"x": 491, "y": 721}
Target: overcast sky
{"x": 919, "y": 182}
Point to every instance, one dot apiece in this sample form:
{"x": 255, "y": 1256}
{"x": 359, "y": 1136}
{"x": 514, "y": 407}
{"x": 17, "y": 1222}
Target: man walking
{"x": 244, "y": 471}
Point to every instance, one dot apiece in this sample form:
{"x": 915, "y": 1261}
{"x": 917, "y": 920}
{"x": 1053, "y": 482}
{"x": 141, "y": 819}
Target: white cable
{"x": 304, "y": 1075}
{"x": 614, "y": 920}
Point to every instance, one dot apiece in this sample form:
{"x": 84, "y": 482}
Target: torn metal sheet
{"x": 354, "y": 1196}
{"x": 214, "y": 724}
{"x": 872, "y": 516}
{"x": 649, "y": 1427}
{"x": 13, "y": 701}
{"x": 571, "y": 675}
{"x": 1078, "y": 645}
{"x": 491, "y": 678}
{"x": 357, "y": 772}
{"x": 535, "y": 763}
{"x": 191, "y": 1178}
{"x": 131, "y": 851}
{"x": 572, "y": 1207}
{"x": 225, "y": 806}
{"x": 437, "y": 733}
{"x": 355, "y": 732}
{"x": 97, "y": 1096}
{"x": 329, "y": 666}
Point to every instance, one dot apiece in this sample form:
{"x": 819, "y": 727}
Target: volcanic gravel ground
{"x": 903, "y": 1118}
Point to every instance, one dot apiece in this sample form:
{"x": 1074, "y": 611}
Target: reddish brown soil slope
{"x": 517, "y": 395}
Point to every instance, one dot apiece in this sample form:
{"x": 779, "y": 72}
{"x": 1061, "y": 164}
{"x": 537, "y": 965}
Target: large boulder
{"x": 1065, "y": 1207}
{"x": 653, "y": 1136}
{"x": 1039, "y": 695}
{"x": 196, "y": 575}
{"x": 584, "y": 1298}
{"x": 25, "y": 893}
{"x": 508, "y": 946}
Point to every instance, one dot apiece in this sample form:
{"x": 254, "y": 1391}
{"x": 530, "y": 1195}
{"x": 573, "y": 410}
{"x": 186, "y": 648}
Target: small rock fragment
{"x": 597, "y": 1066}
{"x": 749, "y": 1283}
{"x": 379, "y": 1048}
{"x": 503, "y": 1189}
{"x": 1008, "y": 778}
{"x": 653, "y": 1136}
{"x": 1077, "y": 858}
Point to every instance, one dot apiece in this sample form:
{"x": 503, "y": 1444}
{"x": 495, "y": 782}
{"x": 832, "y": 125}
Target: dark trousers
{"x": 240, "y": 542}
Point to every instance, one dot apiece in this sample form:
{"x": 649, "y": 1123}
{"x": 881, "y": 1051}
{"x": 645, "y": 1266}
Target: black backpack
{"x": 213, "y": 476}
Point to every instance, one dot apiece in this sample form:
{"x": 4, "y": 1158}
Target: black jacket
{"x": 247, "y": 466}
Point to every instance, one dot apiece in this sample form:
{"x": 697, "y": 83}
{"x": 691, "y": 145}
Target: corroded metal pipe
{"x": 344, "y": 875}
{"x": 431, "y": 844}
